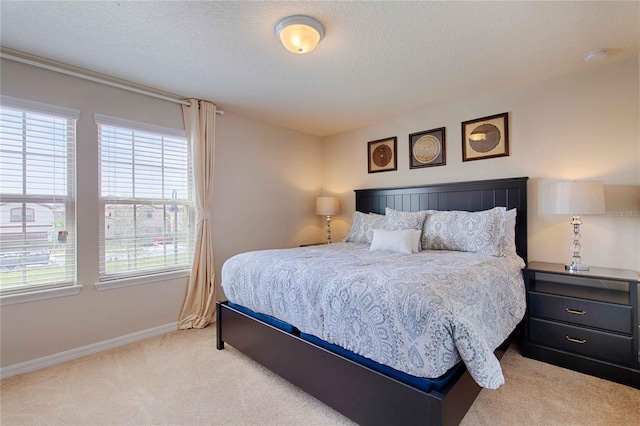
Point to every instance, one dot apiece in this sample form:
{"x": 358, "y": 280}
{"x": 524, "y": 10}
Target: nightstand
{"x": 586, "y": 321}
{"x": 313, "y": 244}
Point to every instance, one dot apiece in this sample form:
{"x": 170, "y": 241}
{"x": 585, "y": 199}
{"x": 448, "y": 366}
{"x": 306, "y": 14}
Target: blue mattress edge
{"x": 424, "y": 384}
{"x": 284, "y": 326}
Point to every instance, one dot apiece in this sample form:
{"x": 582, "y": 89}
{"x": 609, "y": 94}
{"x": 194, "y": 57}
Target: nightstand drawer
{"x": 602, "y": 315}
{"x": 610, "y": 347}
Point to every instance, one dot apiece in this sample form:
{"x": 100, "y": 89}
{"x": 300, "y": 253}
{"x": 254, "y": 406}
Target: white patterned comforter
{"x": 420, "y": 313}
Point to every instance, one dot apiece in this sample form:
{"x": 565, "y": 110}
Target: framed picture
{"x": 382, "y": 155}
{"x": 427, "y": 149}
{"x": 486, "y": 137}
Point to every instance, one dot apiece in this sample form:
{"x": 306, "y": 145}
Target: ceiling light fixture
{"x": 595, "y": 55}
{"x": 299, "y": 34}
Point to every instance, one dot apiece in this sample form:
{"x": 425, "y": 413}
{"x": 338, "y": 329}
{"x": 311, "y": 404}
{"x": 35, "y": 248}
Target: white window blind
{"x": 146, "y": 199}
{"x": 37, "y": 196}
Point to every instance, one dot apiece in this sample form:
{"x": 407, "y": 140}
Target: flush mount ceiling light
{"x": 299, "y": 34}
{"x": 595, "y": 55}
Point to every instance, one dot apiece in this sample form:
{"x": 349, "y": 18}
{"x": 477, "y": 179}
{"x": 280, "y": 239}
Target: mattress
{"x": 420, "y": 314}
{"x": 424, "y": 384}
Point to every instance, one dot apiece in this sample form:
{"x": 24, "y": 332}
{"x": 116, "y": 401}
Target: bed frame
{"x": 361, "y": 394}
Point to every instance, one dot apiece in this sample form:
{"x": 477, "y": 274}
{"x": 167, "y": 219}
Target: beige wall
{"x": 266, "y": 180}
{"x": 579, "y": 126}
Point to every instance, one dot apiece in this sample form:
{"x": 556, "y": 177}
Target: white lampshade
{"x": 299, "y": 34}
{"x": 327, "y": 206}
{"x": 578, "y": 197}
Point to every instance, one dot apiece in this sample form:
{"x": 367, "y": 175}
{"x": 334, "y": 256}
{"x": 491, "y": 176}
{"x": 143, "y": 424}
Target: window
{"x": 29, "y": 214}
{"x": 16, "y": 214}
{"x": 146, "y": 199}
{"x": 37, "y": 184}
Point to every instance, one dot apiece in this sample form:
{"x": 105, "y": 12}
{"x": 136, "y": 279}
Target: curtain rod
{"x": 50, "y": 65}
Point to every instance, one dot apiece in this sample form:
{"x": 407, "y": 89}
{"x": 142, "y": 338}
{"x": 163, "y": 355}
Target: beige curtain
{"x": 199, "y": 306}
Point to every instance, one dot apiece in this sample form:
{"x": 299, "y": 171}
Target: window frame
{"x": 122, "y": 279}
{"x": 68, "y": 200}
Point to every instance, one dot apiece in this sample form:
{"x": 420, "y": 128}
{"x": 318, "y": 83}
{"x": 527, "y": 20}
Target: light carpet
{"x": 181, "y": 379}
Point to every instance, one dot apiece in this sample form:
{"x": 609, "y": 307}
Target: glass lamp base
{"x": 575, "y": 268}
{"x": 576, "y": 261}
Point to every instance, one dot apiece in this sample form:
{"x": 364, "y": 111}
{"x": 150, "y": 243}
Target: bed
{"x": 356, "y": 389}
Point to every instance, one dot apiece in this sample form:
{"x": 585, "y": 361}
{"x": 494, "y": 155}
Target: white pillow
{"x": 403, "y": 241}
{"x": 509, "y": 235}
{"x": 478, "y": 232}
{"x": 415, "y": 241}
{"x": 397, "y": 219}
{"x": 361, "y": 230}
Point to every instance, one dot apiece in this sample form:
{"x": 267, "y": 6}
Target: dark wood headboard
{"x": 468, "y": 196}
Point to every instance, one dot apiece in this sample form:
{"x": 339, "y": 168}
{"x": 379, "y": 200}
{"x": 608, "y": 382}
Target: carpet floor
{"x": 181, "y": 379}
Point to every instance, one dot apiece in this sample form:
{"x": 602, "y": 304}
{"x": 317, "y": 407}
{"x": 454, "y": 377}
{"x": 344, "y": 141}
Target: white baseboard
{"x": 49, "y": 360}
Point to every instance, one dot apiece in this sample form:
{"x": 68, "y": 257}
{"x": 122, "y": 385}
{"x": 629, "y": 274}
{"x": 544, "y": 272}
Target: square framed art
{"x": 382, "y": 155}
{"x": 427, "y": 148}
{"x": 486, "y": 137}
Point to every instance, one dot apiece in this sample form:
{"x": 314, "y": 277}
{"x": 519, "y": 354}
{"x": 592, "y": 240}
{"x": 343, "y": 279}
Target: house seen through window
{"x": 16, "y": 214}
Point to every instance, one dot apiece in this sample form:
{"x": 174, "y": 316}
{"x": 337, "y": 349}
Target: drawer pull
{"x": 571, "y": 311}
{"x": 580, "y": 341}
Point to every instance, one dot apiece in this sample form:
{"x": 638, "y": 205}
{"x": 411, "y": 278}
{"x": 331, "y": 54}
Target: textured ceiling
{"x": 378, "y": 59}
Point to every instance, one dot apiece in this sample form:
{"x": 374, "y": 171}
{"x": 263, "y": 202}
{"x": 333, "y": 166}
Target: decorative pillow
{"x": 478, "y": 232}
{"x": 403, "y": 241}
{"x": 361, "y": 230}
{"x": 509, "y": 235}
{"x": 399, "y": 220}
{"x": 415, "y": 241}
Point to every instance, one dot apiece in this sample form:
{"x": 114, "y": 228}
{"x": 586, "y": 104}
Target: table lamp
{"x": 577, "y": 198}
{"x": 327, "y": 206}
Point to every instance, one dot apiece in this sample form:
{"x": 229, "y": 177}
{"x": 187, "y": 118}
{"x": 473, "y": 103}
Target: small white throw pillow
{"x": 404, "y": 241}
{"x": 415, "y": 241}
